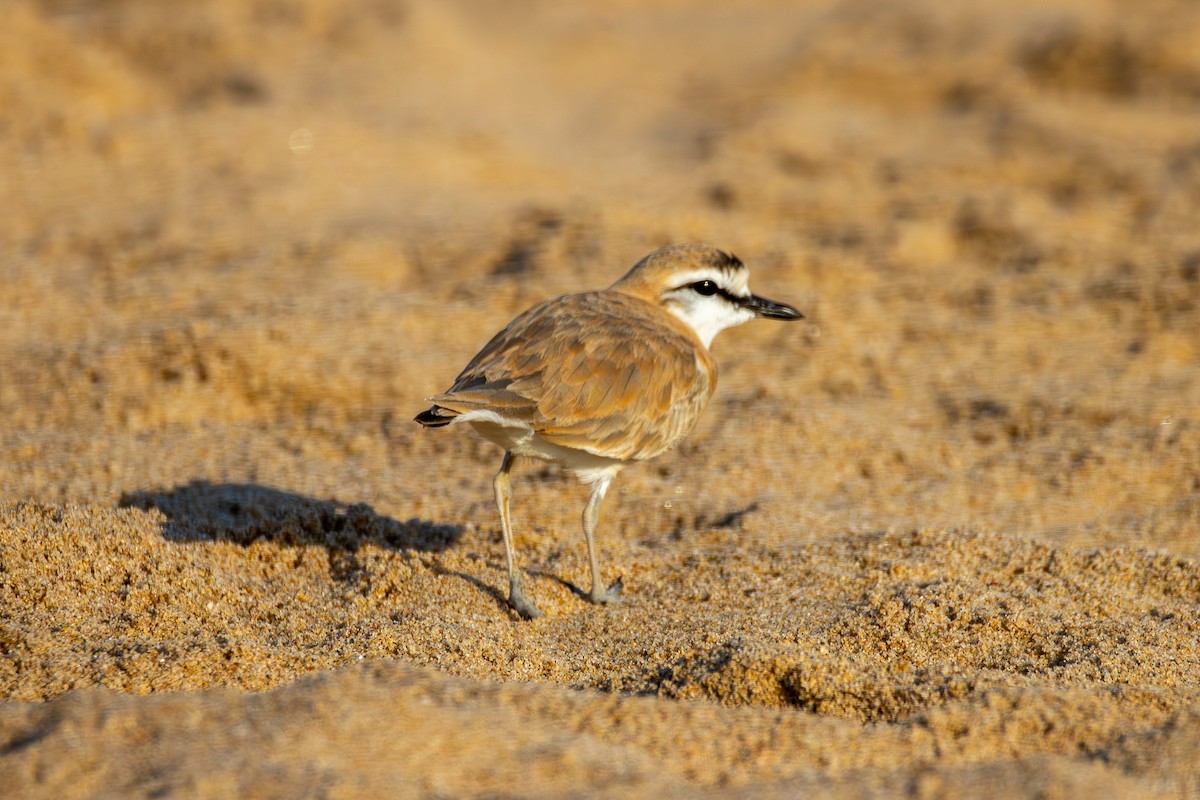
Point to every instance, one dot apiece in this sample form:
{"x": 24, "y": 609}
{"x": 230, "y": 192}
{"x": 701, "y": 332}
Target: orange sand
{"x": 939, "y": 540}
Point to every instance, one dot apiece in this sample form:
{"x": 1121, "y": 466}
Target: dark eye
{"x": 706, "y": 288}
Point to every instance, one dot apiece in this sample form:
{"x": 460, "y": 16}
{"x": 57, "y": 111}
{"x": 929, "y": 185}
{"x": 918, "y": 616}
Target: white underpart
{"x": 521, "y": 439}
{"x": 710, "y": 315}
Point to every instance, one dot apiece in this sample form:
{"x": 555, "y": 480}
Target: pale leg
{"x": 591, "y": 516}
{"x": 516, "y": 589}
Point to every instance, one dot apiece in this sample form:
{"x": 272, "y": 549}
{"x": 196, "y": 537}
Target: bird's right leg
{"x": 516, "y": 589}
{"x": 591, "y": 516}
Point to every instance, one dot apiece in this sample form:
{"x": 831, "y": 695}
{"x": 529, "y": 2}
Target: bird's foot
{"x": 607, "y": 596}
{"x": 519, "y": 600}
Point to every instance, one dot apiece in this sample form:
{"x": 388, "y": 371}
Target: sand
{"x": 938, "y": 540}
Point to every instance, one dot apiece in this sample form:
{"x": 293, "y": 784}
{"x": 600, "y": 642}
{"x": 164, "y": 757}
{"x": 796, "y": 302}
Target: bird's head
{"x": 705, "y": 287}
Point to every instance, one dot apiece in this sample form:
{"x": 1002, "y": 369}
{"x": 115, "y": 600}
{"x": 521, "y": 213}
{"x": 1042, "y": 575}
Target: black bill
{"x": 769, "y": 309}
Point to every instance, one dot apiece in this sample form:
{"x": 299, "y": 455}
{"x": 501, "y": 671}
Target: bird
{"x": 597, "y": 380}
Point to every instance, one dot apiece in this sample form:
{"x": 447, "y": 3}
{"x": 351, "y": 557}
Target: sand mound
{"x": 378, "y": 731}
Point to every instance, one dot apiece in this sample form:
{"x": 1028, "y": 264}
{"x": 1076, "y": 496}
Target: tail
{"x": 435, "y": 417}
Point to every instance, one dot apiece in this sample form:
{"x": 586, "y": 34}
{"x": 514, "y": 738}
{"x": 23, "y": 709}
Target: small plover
{"x": 593, "y": 381}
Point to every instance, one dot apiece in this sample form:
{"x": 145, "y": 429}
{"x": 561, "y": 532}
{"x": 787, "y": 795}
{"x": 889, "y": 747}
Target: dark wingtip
{"x": 433, "y": 417}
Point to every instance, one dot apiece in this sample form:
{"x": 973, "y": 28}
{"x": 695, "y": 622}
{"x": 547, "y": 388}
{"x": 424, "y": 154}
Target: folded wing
{"x": 603, "y": 372}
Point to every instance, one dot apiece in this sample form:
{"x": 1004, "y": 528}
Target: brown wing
{"x": 604, "y": 372}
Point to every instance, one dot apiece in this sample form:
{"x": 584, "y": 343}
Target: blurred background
{"x": 242, "y": 240}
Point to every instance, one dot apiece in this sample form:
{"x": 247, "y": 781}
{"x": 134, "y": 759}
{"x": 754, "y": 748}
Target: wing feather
{"x": 604, "y": 372}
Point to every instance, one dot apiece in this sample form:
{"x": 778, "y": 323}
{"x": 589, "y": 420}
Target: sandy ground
{"x": 938, "y": 540}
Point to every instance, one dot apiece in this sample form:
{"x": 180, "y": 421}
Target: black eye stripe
{"x": 708, "y": 288}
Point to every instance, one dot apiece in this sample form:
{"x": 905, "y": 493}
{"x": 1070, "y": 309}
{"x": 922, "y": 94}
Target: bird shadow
{"x": 498, "y": 596}
{"x": 572, "y": 588}
{"x": 244, "y": 513}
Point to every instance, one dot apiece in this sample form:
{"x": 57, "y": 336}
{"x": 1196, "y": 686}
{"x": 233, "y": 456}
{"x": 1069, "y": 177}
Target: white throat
{"x": 707, "y": 316}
